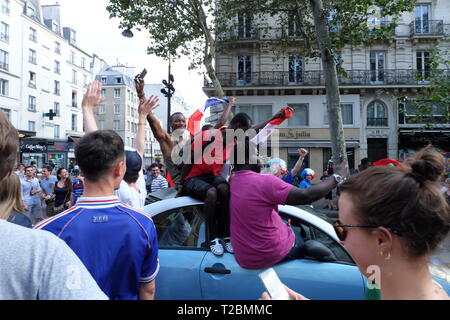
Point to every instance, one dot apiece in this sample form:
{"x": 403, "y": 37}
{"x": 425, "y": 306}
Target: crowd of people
{"x": 392, "y": 216}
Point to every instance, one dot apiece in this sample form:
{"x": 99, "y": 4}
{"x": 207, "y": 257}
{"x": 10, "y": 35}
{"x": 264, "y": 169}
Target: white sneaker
{"x": 228, "y": 246}
{"x": 216, "y": 247}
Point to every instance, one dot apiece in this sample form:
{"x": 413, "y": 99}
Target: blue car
{"x": 189, "y": 271}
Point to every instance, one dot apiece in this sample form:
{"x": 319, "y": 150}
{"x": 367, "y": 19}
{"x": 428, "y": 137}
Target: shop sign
{"x": 33, "y": 147}
{"x": 294, "y": 134}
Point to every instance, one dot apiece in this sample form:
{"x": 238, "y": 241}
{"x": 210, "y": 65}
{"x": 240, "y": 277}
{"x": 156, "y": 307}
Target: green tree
{"x": 325, "y": 28}
{"x": 176, "y": 27}
{"x": 431, "y": 106}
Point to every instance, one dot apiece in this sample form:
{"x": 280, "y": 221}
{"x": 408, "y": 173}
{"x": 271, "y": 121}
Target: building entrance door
{"x": 376, "y": 149}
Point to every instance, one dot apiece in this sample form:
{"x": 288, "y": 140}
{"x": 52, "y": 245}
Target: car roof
{"x": 179, "y": 202}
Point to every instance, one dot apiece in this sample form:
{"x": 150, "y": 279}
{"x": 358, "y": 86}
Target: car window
{"x": 182, "y": 228}
{"x": 310, "y": 232}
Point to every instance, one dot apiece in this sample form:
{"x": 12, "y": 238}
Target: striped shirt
{"x": 159, "y": 183}
{"x": 117, "y": 244}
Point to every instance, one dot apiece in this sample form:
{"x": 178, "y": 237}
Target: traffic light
{"x": 170, "y": 89}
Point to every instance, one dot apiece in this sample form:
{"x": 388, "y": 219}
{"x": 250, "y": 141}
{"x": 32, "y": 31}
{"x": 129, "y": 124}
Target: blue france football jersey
{"x": 116, "y": 243}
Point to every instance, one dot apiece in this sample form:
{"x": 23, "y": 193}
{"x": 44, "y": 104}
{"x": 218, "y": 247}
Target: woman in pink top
{"x": 259, "y": 236}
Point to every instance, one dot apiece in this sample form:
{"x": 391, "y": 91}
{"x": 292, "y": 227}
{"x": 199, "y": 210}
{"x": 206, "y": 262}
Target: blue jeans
{"x": 297, "y": 250}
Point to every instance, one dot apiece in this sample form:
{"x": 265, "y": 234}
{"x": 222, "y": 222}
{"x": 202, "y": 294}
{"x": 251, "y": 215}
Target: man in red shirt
{"x": 202, "y": 178}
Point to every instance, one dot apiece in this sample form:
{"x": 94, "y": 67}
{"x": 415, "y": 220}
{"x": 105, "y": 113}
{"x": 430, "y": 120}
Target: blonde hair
{"x": 10, "y": 196}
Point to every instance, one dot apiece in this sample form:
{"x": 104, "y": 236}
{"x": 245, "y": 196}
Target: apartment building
{"x": 119, "y": 111}
{"x": 42, "y": 69}
{"x": 380, "y": 78}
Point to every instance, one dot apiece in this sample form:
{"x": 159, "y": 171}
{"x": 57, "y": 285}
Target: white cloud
{"x": 97, "y": 33}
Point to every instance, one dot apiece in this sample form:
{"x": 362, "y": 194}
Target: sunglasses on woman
{"x": 342, "y": 232}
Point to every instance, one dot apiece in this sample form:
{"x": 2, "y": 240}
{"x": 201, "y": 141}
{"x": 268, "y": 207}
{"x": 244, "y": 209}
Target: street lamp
{"x": 127, "y": 33}
{"x": 168, "y": 92}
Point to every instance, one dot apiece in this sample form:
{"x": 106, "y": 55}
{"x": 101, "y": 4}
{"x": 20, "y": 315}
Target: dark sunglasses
{"x": 341, "y": 230}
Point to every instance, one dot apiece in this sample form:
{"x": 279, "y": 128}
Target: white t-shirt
{"x": 130, "y": 196}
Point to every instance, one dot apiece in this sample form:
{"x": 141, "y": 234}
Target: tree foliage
{"x": 176, "y": 28}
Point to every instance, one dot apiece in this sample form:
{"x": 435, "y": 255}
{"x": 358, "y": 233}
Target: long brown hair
{"x": 67, "y": 183}
{"x": 10, "y": 196}
{"x": 405, "y": 198}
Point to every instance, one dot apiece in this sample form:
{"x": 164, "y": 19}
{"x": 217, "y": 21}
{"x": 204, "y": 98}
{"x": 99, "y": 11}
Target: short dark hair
{"x": 154, "y": 165}
{"x": 406, "y": 199}
{"x": 241, "y": 121}
{"x": 173, "y": 115}
{"x": 97, "y": 151}
{"x": 48, "y": 168}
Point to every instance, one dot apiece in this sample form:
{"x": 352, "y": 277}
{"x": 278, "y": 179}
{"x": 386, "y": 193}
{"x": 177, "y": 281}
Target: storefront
{"x": 43, "y": 151}
{"x": 410, "y": 142}
{"x": 317, "y": 142}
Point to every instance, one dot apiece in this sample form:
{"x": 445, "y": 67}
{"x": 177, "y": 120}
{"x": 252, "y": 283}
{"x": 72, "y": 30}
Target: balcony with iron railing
{"x": 377, "y": 122}
{"x": 316, "y": 78}
{"x": 427, "y": 28}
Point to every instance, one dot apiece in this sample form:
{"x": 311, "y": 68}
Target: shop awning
{"x": 25, "y": 134}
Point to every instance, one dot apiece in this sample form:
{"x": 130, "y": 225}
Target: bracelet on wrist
{"x": 141, "y": 124}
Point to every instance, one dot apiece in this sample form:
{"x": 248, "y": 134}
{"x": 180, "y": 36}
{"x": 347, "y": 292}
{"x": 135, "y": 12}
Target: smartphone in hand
{"x": 143, "y": 73}
{"x": 273, "y": 285}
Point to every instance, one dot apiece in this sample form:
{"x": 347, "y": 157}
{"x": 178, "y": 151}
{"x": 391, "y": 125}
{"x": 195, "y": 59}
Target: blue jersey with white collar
{"x": 116, "y": 243}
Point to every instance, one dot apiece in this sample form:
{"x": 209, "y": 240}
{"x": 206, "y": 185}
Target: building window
{"x": 74, "y": 99}
{"x": 33, "y": 35}
{"x": 31, "y": 103}
{"x": 4, "y": 32}
{"x": 346, "y": 112}
{"x": 410, "y": 114}
{"x": 4, "y": 60}
{"x": 55, "y": 27}
{"x": 104, "y": 80}
{"x": 377, "y": 66}
{"x": 72, "y": 57}
{"x": 74, "y": 122}
{"x": 56, "y": 131}
{"x": 103, "y": 93}
{"x": 245, "y": 26}
{"x": 422, "y": 19}
{"x": 5, "y": 6}
{"x": 301, "y": 118}
{"x": 423, "y": 63}
{"x": 295, "y": 68}
{"x": 117, "y": 93}
{"x": 57, "y": 88}
{"x": 244, "y": 70}
{"x": 101, "y": 124}
{"x": 56, "y": 109}
{"x": 118, "y": 80}
{"x": 85, "y": 80}
{"x": 57, "y": 47}
{"x": 117, "y": 109}
{"x": 258, "y": 113}
{"x": 74, "y": 76}
{"x": 116, "y": 124}
{"x": 101, "y": 109}
{"x": 4, "y": 87}
{"x": 32, "y": 126}
{"x": 83, "y": 63}
{"x": 57, "y": 67}
{"x": 31, "y": 10}
{"x": 377, "y": 115}
{"x": 32, "y": 56}
{"x": 32, "y": 80}
{"x": 293, "y": 28}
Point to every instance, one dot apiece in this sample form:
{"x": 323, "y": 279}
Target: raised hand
{"x": 302, "y": 152}
{"x": 232, "y": 100}
{"x": 92, "y": 98}
{"x": 139, "y": 84}
{"x": 146, "y": 108}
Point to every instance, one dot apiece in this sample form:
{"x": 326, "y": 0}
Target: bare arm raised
{"x": 145, "y": 108}
{"x": 91, "y": 99}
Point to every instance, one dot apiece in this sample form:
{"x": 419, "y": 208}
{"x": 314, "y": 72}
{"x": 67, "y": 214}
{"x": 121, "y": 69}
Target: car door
{"x": 222, "y": 278}
{"x": 181, "y": 241}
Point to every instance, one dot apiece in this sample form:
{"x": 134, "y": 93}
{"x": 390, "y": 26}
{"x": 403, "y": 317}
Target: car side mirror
{"x": 316, "y": 250}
